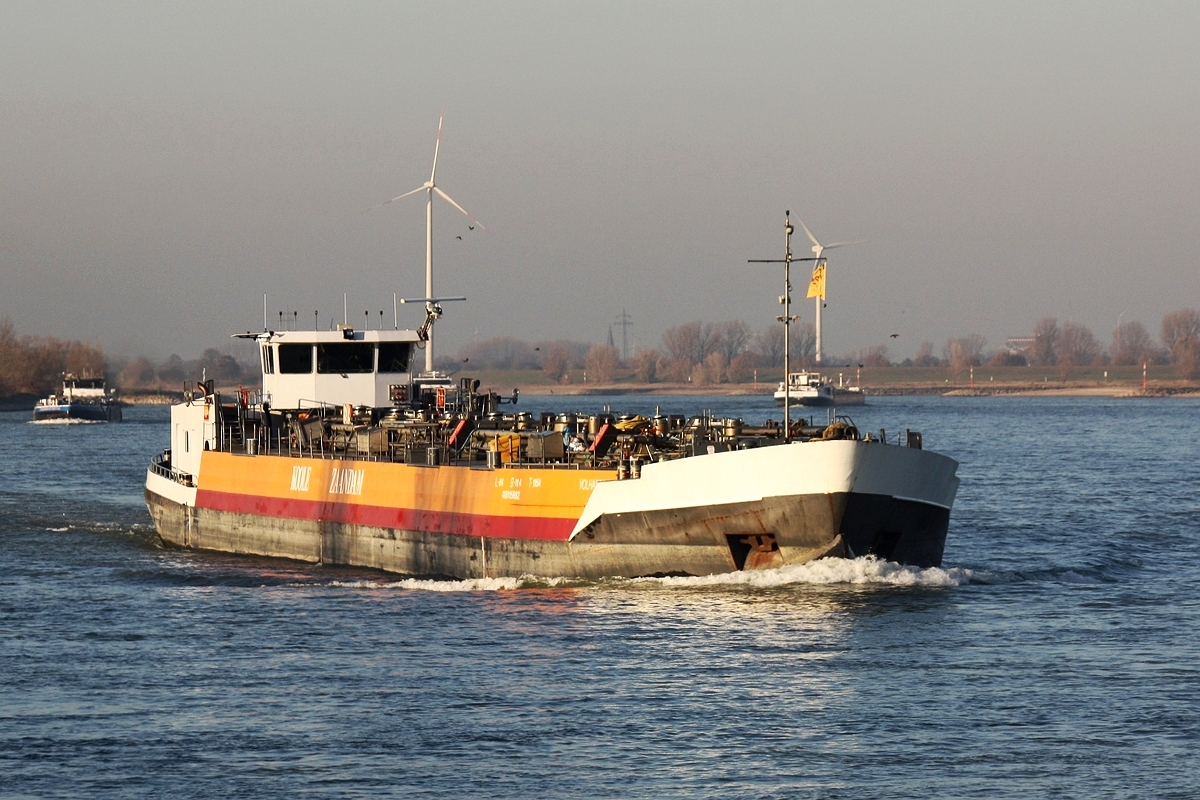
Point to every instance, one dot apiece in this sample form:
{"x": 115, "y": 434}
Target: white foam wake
{"x": 468, "y": 585}
{"x": 866, "y": 570}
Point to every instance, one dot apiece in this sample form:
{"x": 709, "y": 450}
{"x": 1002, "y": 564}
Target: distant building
{"x": 1019, "y": 345}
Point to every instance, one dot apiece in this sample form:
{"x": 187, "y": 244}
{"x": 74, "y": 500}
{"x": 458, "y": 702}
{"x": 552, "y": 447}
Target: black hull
{"x": 82, "y": 412}
{"x": 809, "y": 402}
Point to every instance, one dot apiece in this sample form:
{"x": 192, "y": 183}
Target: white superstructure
{"x": 306, "y": 369}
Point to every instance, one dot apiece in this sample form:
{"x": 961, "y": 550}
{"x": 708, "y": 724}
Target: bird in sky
{"x": 895, "y": 336}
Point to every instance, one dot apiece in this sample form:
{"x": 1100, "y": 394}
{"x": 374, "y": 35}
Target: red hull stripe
{"x": 409, "y": 519}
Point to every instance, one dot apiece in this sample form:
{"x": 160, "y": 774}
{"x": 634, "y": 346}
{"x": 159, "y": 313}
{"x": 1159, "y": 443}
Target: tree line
{"x": 141, "y": 373}
{"x": 1073, "y": 344}
{"x": 33, "y": 365}
{"x": 703, "y": 352}
{"x": 697, "y": 352}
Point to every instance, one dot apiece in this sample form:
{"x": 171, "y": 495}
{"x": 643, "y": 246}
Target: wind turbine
{"x": 432, "y": 309}
{"x": 819, "y": 251}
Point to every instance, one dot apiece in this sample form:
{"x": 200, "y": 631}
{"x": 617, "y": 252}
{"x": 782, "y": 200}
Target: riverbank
{"x": 1180, "y": 389}
{"x": 18, "y": 402}
{"x": 26, "y": 402}
{"x": 152, "y": 398}
{"x": 503, "y": 383}
{"x": 1096, "y": 381}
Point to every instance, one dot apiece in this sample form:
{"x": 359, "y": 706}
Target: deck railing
{"x": 159, "y": 467}
{"x": 319, "y": 433}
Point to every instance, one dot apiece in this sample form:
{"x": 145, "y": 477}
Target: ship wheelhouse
{"x": 306, "y": 369}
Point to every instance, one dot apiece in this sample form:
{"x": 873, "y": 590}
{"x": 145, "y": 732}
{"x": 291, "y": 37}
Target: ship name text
{"x": 300, "y": 478}
{"x": 346, "y": 481}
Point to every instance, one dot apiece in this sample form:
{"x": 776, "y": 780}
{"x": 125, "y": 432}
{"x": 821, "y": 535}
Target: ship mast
{"x": 787, "y": 318}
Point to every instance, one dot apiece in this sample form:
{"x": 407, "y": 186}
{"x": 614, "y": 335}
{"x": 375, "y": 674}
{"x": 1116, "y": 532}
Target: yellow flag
{"x": 816, "y": 287}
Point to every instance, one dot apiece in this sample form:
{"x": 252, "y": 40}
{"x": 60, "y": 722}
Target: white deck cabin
{"x": 85, "y": 388}
{"x": 307, "y": 369}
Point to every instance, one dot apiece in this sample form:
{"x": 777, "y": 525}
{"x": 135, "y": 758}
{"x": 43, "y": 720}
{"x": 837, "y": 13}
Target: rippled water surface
{"x": 1056, "y": 653}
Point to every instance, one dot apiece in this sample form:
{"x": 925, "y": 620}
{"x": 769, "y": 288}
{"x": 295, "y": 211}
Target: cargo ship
{"x": 447, "y": 481}
{"x": 83, "y": 398}
{"x": 348, "y": 455}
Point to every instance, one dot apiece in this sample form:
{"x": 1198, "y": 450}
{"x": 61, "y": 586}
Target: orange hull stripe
{"x": 383, "y": 517}
{"x": 448, "y": 499}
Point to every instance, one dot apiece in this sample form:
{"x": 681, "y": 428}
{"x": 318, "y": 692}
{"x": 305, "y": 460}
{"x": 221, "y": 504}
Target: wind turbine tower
{"x": 820, "y": 263}
{"x": 430, "y": 187}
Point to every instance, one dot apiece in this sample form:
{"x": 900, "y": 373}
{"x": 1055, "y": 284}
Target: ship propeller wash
{"x": 349, "y": 456}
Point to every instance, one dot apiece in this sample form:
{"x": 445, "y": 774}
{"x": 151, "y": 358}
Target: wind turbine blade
{"x": 397, "y": 197}
{"x": 843, "y": 244}
{"x": 449, "y": 200}
{"x": 810, "y": 233}
{"x": 437, "y": 145}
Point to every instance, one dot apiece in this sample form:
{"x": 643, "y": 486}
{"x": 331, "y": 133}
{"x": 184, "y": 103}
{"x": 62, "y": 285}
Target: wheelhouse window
{"x": 394, "y": 356}
{"x": 356, "y": 357}
{"x": 295, "y": 359}
{"x": 268, "y": 359}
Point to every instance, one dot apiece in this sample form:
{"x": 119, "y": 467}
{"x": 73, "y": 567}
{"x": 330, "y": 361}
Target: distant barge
{"x": 810, "y": 389}
{"x": 81, "y": 399}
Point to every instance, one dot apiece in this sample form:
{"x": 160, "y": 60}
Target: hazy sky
{"x": 162, "y": 165}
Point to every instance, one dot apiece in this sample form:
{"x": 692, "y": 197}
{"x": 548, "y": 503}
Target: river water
{"x": 1056, "y": 653}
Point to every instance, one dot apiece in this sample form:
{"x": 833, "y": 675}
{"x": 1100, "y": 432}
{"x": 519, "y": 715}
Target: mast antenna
{"x": 787, "y": 318}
